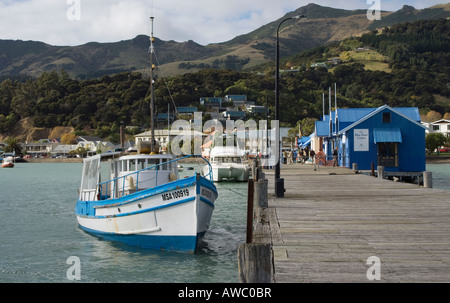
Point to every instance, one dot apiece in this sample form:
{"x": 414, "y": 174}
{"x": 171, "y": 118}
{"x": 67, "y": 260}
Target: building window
{"x": 386, "y": 117}
{"x": 436, "y": 127}
{"x": 388, "y": 154}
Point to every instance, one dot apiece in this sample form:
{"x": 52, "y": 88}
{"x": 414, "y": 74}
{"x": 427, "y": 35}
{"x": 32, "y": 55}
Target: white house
{"x": 164, "y": 137}
{"x": 440, "y": 126}
{"x": 94, "y": 145}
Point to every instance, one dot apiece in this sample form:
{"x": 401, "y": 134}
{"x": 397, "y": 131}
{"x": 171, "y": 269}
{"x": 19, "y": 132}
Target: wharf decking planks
{"x": 331, "y": 221}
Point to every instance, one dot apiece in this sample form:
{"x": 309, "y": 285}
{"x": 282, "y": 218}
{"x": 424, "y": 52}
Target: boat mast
{"x": 152, "y": 92}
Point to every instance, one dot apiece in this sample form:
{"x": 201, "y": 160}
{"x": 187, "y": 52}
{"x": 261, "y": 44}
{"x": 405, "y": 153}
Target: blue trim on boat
{"x": 167, "y": 243}
{"x": 144, "y": 210}
{"x": 87, "y": 208}
{"x": 207, "y": 202}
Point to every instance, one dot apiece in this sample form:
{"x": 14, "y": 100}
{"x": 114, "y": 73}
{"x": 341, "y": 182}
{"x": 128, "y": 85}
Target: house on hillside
{"x": 211, "y": 102}
{"x": 94, "y": 145}
{"x": 384, "y": 136}
{"x": 440, "y": 126}
{"x": 164, "y": 137}
{"x": 43, "y": 148}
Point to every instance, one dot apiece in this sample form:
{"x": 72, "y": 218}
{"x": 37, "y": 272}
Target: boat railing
{"x": 112, "y": 186}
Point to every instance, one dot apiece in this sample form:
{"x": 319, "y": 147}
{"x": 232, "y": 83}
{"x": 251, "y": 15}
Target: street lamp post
{"x": 279, "y": 183}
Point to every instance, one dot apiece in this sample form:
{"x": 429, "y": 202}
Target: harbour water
{"x": 39, "y": 232}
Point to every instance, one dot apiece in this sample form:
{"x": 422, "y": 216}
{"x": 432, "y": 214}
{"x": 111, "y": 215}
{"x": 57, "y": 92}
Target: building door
{"x": 387, "y": 154}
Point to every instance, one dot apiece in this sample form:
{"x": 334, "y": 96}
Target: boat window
{"x": 132, "y": 165}
{"x": 165, "y": 165}
{"x": 152, "y": 162}
{"x": 141, "y": 164}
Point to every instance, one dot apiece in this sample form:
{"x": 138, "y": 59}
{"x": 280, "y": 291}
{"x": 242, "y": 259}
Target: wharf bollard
{"x": 427, "y": 179}
{"x": 355, "y": 167}
{"x": 380, "y": 171}
{"x": 255, "y": 259}
{"x": 255, "y": 263}
{"x": 261, "y": 193}
{"x": 250, "y": 193}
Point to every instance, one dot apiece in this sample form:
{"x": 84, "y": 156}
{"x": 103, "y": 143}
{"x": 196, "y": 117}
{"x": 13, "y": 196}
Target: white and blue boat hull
{"x": 174, "y": 216}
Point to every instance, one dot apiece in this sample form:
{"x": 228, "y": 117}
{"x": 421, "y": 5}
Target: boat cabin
{"x": 111, "y": 175}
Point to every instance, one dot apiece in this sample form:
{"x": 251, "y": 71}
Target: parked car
{"x": 444, "y": 150}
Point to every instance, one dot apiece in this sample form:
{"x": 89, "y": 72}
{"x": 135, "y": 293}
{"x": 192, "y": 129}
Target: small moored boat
{"x": 227, "y": 163}
{"x": 144, "y": 203}
{"x": 8, "y": 162}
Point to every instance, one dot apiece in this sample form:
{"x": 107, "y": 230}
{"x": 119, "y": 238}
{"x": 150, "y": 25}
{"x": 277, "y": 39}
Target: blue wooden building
{"x": 384, "y": 136}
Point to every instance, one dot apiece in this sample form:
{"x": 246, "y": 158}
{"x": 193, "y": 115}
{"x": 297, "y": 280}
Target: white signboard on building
{"x": 361, "y": 140}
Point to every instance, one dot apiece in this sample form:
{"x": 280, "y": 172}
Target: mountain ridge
{"x": 323, "y": 25}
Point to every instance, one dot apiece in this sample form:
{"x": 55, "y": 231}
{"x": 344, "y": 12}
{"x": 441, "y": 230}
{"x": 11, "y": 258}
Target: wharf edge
{"x": 332, "y": 221}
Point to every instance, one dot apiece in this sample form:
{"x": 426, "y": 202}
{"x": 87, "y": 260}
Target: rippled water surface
{"x": 39, "y": 232}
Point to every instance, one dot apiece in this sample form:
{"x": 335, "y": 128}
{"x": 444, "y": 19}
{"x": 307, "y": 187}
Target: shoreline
{"x": 53, "y": 160}
{"x": 437, "y": 159}
{"x": 428, "y": 160}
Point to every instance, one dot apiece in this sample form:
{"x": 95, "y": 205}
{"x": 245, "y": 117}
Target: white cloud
{"x": 203, "y": 21}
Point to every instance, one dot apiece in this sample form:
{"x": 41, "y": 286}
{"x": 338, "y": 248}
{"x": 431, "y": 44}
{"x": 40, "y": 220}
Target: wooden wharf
{"x": 331, "y": 221}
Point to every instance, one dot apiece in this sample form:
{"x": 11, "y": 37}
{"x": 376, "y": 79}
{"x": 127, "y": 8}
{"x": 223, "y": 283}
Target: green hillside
{"x": 406, "y": 64}
{"x": 323, "y": 25}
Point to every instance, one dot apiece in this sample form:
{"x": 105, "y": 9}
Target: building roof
{"x": 354, "y": 114}
{"x": 186, "y": 110}
{"x": 440, "y": 121}
{"x": 407, "y": 113}
{"x": 349, "y": 117}
{"x": 322, "y": 128}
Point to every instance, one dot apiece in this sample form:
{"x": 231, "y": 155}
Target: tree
{"x": 433, "y": 116}
{"x": 13, "y": 146}
{"x": 69, "y": 139}
{"x": 434, "y": 141}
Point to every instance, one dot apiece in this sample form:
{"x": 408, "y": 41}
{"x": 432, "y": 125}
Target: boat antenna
{"x": 152, "y": 91}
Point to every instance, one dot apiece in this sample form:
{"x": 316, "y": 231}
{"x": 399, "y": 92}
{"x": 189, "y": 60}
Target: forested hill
{"x": 416, "y": 54}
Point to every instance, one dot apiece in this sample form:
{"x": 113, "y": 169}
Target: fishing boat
{"x": 144, "y": 203}
{"x": 8, "y": 162}
{"x": 139, "y": 198}
{"x": 227, "y": 163}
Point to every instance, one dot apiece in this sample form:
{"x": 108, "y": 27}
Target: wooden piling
{"x": 254, "y": 262}
{"x": 255, "y": 257}
{"x": 380, "y": 172}
{"x": 261, "y": 193}
{"x": 427, "y": 179}
{"x": 250, "y": 202}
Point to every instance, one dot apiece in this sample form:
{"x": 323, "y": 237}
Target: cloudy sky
{"x": 75, "y": 22}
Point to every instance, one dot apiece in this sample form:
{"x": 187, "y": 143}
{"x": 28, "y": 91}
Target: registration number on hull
{"x": 182, "y": 193}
